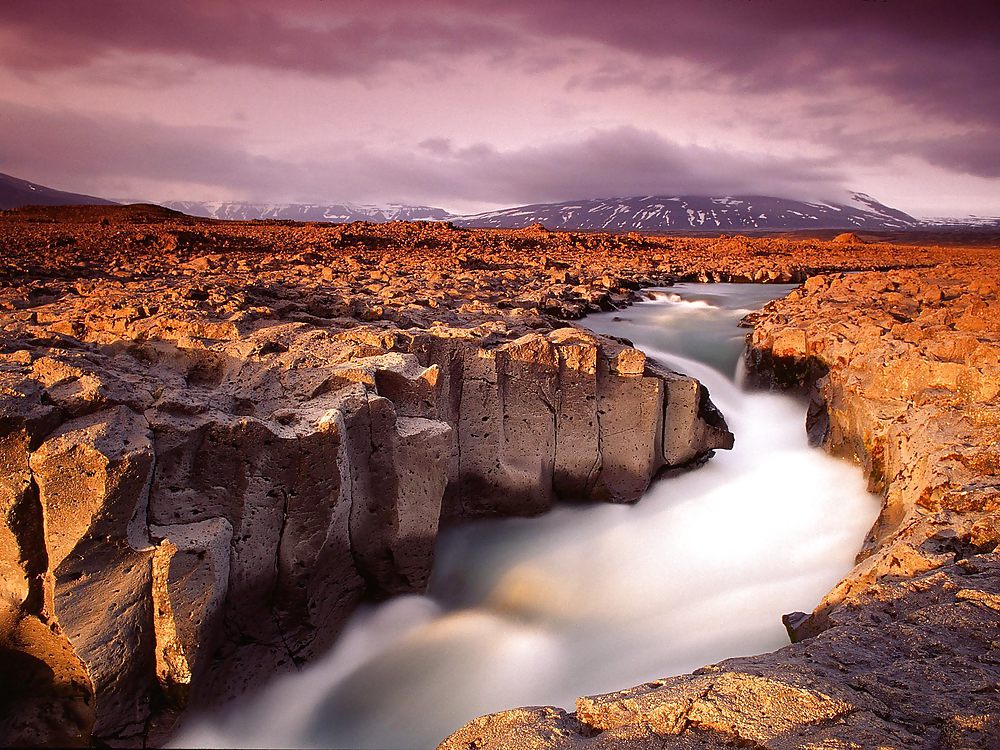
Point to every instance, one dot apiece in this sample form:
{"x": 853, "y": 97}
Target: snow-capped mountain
{"x": 15, "y": 193}
{"x": 650, "y": 213}
{"x": 695, "y": 212}
{"x": 335, "y": 212}
{"x": 965, "y": 222}
{"x": 646, "y": 213}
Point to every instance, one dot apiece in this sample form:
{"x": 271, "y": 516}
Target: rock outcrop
{"x": 203, "y": 520}
{"x": 925, "y": 678}
{"x": 217, "y": 438}
{"x": 200, "y": 486}
{"x": 909, "y": 387}
{"x": 903, "y": 652}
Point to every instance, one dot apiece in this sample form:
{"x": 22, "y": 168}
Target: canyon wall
{"x": 217, "y": 437}
{"x": 192, "y": 507}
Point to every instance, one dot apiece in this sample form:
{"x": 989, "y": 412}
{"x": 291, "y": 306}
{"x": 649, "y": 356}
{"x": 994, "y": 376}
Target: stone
{"x": 317, "y": 400}
{"x": 93, "y": 476}
{"x": 190, "y": 582}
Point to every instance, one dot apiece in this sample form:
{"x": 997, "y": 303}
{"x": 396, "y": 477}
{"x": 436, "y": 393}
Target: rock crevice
{"x": 275, "y": 384}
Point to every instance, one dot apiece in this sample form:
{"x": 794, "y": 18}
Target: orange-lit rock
{"x": 268, "y": 422}
{"x": 211, "y": 456}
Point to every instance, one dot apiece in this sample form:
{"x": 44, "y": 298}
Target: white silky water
{"x": 593, "y": 598}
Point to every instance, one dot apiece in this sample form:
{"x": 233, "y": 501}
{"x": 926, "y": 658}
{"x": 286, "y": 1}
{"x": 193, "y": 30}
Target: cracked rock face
{"x": 200, "y": 486}
{"x": 93, "y": 476}
{"x": 924, "y": 679}
{"x": 204, "y": 549}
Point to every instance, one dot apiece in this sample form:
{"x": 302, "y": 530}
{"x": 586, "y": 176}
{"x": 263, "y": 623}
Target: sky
{"x": 477, "y": 104}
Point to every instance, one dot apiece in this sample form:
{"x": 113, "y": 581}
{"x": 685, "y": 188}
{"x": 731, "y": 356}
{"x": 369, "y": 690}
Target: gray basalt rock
{"x": 201, "y": 480}
{"x": 562, "y": 415}
{"x": 222, "y": 526}
{"x": 93, "y": 477}
{"x": 903, "y": 652}
{"x": 421, "y": 450}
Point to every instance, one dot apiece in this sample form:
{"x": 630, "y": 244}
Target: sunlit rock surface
{"x": 317, "y": 399}
{"x": 205, "y": 478}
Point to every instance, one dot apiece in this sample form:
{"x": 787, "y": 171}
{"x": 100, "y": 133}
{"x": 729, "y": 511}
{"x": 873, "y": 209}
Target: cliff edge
{"x": 205, "y": 470}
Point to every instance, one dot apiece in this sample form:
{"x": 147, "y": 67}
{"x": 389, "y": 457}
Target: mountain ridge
{"x": 699, "y": 213}
{"x": 639, "y": 213}
{"x": 648, "y": 213}
{"x": 17, "y": 193}
{"x": 332, "y": 212}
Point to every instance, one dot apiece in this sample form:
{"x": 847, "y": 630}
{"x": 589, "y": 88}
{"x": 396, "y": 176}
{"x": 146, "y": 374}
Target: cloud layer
{"x": 620, "y": 161}
{"x": 632, "y": 97}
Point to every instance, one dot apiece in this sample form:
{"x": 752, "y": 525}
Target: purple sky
{"x": 474, "y": 104}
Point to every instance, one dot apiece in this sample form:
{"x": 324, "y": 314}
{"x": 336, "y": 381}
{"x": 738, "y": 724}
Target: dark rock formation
{"x": 203, "y": 530}
{"x": 200, "y": 487}
{"x": 217, "y": 438}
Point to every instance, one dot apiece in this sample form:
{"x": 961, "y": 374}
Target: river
{"x": 592, "y": 598}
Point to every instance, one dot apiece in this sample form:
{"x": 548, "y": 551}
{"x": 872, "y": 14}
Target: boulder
{"x": 93, "y": 476}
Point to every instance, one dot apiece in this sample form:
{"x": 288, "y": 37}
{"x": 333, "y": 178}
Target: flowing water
{"x": 594, "y": 598}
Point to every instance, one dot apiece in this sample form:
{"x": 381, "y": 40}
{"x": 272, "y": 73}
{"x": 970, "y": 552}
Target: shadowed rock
{"x": 202, "y": 487}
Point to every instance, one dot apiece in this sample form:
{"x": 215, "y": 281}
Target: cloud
{"x": 622, "y": 161}
{"x": 826, "y": 68}
{"x": 339, "y": 38}
{"x": 437, "y": 146}
{"x": 89, "y": 153}
{"x": 934, "y": 56}
{"x": 935, "y": 60}
{"x": 974, "y": 153}
{"x": 80, "y": 151}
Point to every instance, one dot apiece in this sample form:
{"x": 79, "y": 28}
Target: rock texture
{"x": 903, "y": 368}
{"x": 210, "y": 456}
{"x": 909, "y": 387}
{"x": 217, "y": 438}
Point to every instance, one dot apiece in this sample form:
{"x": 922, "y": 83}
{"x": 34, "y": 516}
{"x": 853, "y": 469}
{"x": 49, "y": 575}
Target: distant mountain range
{"x": 695, "y": 212}
{"x": 649, "y": 213}
{"x": 337, "y": 212}
{"x": 968, "y": 222}
{"x": 15, "y": 193}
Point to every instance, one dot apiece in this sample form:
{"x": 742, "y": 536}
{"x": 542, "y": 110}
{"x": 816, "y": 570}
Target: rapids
{"x": 594, "y": 598}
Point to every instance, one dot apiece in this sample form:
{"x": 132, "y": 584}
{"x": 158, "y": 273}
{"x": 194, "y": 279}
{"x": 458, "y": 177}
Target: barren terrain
{"x": 219, "y": 437}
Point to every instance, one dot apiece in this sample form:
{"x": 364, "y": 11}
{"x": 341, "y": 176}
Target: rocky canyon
{"x": 219, "y": 438}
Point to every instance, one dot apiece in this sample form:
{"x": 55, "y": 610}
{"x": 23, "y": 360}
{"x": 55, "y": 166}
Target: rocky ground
{"x": 217, "y": 438}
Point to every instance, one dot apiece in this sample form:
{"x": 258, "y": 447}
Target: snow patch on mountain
{"x": 689, "y": 212}
{"x": 857, "y": 211}
{"x": 334, "y": 212}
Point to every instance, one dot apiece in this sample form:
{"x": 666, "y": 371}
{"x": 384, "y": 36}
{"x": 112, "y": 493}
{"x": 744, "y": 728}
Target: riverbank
{"x": 211, "y": 466}
{"x": 514, "y": 603}
{"x": 903, "y": 371}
